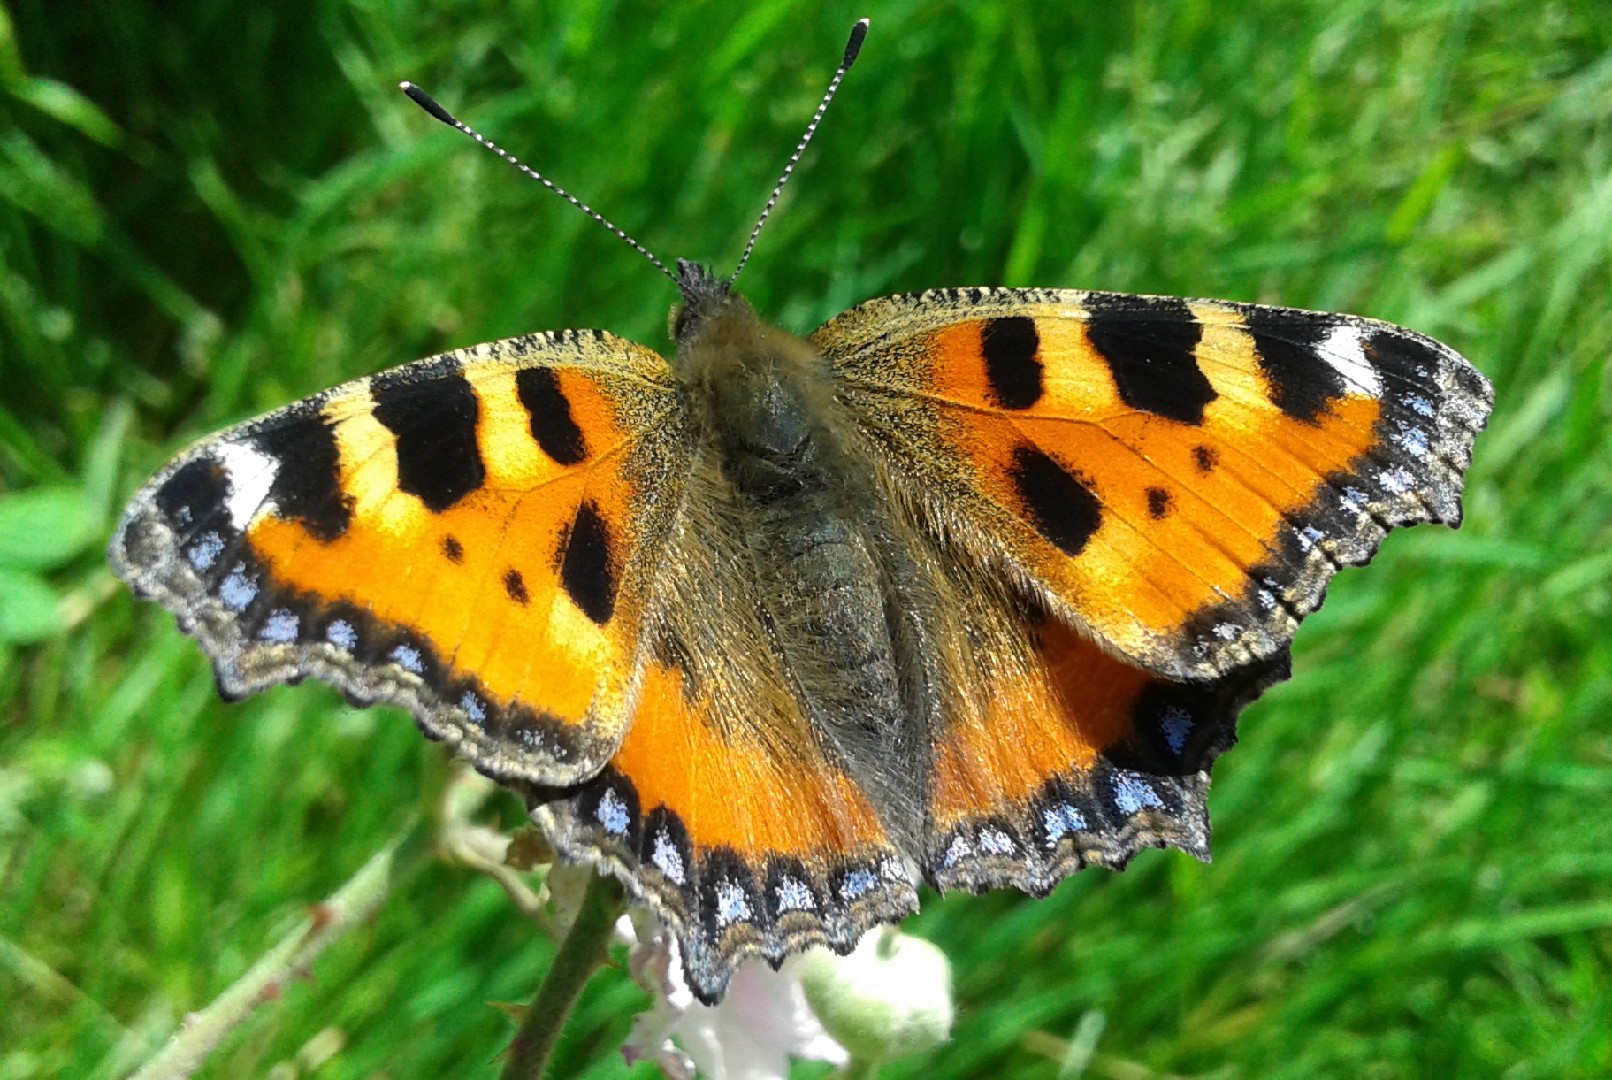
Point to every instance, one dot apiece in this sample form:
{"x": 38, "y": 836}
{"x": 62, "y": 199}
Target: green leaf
{"x": 45, "y": 527}
{"x": 36, "y": 184}
{"x": 30, "y": 610}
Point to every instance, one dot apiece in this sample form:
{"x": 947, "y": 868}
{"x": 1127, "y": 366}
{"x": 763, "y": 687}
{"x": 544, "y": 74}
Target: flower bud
{"x": 890, "y": 998}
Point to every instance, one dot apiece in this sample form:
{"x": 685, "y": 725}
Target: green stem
{"x": 352, "y": 904}
{"x": 580, "y": 955}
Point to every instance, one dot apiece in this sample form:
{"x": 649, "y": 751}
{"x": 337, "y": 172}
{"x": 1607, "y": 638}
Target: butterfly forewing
{"x": 1179, "y": 478}
{"x": 468, "y": 536}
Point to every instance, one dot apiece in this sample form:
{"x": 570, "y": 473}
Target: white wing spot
{"x": 205, "y": 550}
{"x": 1132, "y": 793}
{"x": 1412, "y": 440}
{"x": 280, "y": 627}
{"x": 408, "y": 658}
{"x": 237, "y": 590}
{"x": 251, "y": 475}
{"x": 1062, "y": 820}
{"x": 612, "y": 813}
{"x": 731, "y": 903}
{"x": 958, "y": 850}
{"x": 857, "y": 882}
{"x": 341, "y": 634}
{"x": 1345, "y": 349}
{"x": 1396, "y": 481}
{"x": 667, "y": 858}
{"x": 474, "y": 707}
{"x": 1419, "y": 405}
{"x": 794, "y": 895}
{"x": 996, "y": 842}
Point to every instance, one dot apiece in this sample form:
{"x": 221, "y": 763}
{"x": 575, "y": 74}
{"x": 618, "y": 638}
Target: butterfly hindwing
{"x": 743, "y": 832}
{"x": 468, "y": 536}
{"x": 1077, "y": 758}
{"x": 1179, "y": 478}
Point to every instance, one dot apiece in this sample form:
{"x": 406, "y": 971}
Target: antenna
{"x": 429, "y": 104}
{"x": 852, "y": 47}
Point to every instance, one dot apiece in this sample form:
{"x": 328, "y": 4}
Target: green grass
{"x": 210, "y": 209}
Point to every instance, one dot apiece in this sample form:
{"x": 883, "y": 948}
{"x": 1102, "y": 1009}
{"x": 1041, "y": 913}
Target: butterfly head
{"x": 707, "y": 301}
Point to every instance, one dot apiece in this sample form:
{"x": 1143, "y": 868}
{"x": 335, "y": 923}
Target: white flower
{"x": 761, "y": 1023}
{"x": 889, "y": 998}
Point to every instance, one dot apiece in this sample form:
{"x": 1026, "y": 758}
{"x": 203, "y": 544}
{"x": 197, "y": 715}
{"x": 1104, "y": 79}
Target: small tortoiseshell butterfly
{"x": 967, "y": 587}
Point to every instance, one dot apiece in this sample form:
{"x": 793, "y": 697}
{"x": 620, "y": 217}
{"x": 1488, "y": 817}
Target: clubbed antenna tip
{"x": 854, "y": 46}
{"x": 428, "y": 103}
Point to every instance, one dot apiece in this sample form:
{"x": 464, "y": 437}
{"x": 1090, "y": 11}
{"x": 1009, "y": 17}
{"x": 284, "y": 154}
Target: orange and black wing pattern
{"x": 1177, "y": 478}
{"x": 1076, "y": 758}
{"x": 470, "y": 537}
{"x": 1163, "y": 487}
{"x": 742, "y": 830}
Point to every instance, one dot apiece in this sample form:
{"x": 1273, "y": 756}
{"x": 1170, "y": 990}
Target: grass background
{"x": 208, "y": 209}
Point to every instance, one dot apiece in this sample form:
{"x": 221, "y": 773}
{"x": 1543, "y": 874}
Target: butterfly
{"x": 966, "y": 587}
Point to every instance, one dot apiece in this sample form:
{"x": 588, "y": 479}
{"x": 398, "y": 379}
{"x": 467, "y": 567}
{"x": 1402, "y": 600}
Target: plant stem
{"x": 348, "y": 906}
{"x": 581, "y": 954}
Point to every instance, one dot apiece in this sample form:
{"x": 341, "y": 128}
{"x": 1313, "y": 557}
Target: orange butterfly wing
{"x": 1168, "y": 485}
{"x": 744, "y": 832}
{"x": 1179, "y": 478}
{"x": 469, "y": 536}
{"x": 1078, "y": 758}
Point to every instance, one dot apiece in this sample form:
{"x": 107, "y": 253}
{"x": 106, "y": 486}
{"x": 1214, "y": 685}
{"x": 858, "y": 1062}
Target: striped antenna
{"x": 429, "y": 104}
